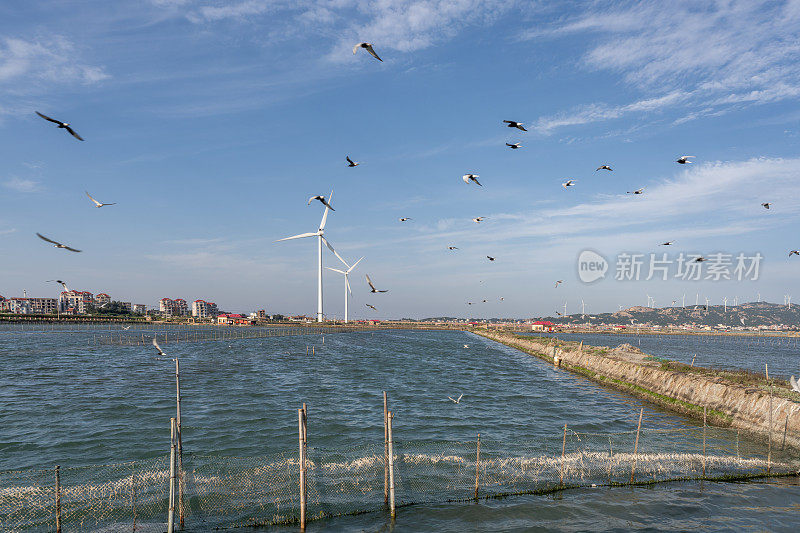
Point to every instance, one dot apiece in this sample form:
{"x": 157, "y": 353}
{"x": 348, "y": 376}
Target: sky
{"x": 211, "y": 123}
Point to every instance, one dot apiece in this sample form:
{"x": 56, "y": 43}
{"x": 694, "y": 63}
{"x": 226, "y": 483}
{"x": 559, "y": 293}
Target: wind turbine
{"x": 583, "y": 309}
{"x": 683, "y": 301}
{"x": 725, "y": 304}
{"x": 320, "y": 234}
{"x": 346, "y": 282}
{"x": 565, "y": 309}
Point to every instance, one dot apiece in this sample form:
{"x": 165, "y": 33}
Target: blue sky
{"x": 211, "y": 123}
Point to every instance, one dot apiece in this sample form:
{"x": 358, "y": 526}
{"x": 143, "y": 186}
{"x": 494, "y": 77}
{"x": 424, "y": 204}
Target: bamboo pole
{"x": 181, "y": 513}
{"x": 563, "y": 450}
{"x": 171, "y": 510}
{"x": 636, "y": 444}
{"x": 385, "y": 448}
{"x": 300, "y": 425}
{"x": 705, "y": 425}
{"x": 477, "y": 466}
{"x": 58, "y": 499}
{"x": 392, "y": 509}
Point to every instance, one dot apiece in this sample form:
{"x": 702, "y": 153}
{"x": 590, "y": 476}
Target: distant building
{"x": 18, "y": 306}
{"x": 75, "y": 302}
{"x": 126, "y": 306}
{"x": 204, "y": 309}
{"x": 102, "y": 298}
{"x": 140, "y": 309}
{"x": 262, "y": 314}
{"x": 232, "y": 319}
{"x": 170, "y": 307}
{"x": 542, "y": 325}
{"x": 44, "y": 306}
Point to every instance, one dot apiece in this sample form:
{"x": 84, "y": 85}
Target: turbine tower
{"x": 320, "y": 234}
{"x": 347, "y": 290}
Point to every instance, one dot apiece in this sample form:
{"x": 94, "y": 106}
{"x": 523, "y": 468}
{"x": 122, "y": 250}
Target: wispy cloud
{"x": 53, "y": 59}
{"x": 22, "y": 185}
{"x": 718, "y": 55}
{"x": 7, "y": 231}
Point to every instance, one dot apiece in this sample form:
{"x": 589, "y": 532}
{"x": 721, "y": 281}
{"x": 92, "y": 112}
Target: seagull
{"x": 501, "y": 298}
{"x": 371, "y": 307}
{"x": 637, "y": 191}
{"x": 126, "y": 328}
{"x": 568, "y": 183}
{"x": 96, "y": 203}
{"x": 372, "y": 287}
{"x": 490, "y": 258}
{"x": 514, "y": 124}
{"x": 559, "y": 314}
{"x": 321, "y": 199}
{"x": 452, "y": 247}
{"x": 471, "y": 177}
{"x": 466, "y": 346}
{"x": 683, "y": 159}
{"x": 404, "y": 219}
{"x": 794, "y": 252}
{"x": 484, "y": 301}
{"x": 350, "y": 162}
{"x": 470, "y": 303}
{"x": 795, "y": 384}
{"x": 56, "y": 244}
{"x": 766, "y": 205}
{"x": 478, "y": 220}
{"x": 64, "y": 125}
{"x": 668, "y": 243}
{"x": 160, "y": 351}
{"x": 368, "y": 48}
{"x": 514, "y": 146}
{"x": 604, "y": 167}
{"x": 459, "y": 398}
{"x": 700, "y": 259}
{"x": 559, "y": 282}
{"x": 66, "y": 289}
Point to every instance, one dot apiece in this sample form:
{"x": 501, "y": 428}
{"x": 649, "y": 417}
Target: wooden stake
{"x": 563, "y": 449}
{"x": 385, "y": 448}
{"x": 181, "y": 514}
{"x": 392, "y": 509}
{"x": 58, "y": 499}
{"x": 704, "y": 440}
{"x": 785, "y": 427}
{"x": 477, "y": 466}
{"x": 636, "y": 444}
{"x": 693, "y": 357}
{"x": 171, "y": 510}
{"x": 301, "y": 434}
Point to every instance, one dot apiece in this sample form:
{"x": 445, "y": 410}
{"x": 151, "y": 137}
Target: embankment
{"x": 727, "y": 403}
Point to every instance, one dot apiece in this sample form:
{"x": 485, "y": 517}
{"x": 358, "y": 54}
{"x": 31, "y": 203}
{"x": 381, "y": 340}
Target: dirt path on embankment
{"x": 686, "y": 390}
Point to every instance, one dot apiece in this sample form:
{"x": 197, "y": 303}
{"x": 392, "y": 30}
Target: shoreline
{"x": 674, "y": 386}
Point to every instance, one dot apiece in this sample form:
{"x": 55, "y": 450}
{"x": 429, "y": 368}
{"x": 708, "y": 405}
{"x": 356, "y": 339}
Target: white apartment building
{"x": 204, "y": 309}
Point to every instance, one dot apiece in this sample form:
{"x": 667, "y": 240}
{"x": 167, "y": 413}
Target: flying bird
{"x": 368, "y": 48}
{"x": 699, "y": 259}
{"x": 371, "y": 307}
{"x": 668, "y": 243}
{"x": 484, "y": 301}
{"x": 478, "y": 220}
{"x": 604, "y": 167}
{"x": 471, "y": 177}
{"x": 490, "y": 258}
{"x": 459, "y": 398}
{"x": 321, "y": 199}
{"x": 514, "y": 124}
{"x": 372, "y": 287}
{"x": 514, "y": 146}
{"x": 559, "y": 282}
{"x": 766, "y": 205}
{"x": 66, "y": 289}
{"x": 404, "y": 219}
{"x": 568, "y": 183}
{"x": 160, "y": 351}
{"x": 684, "y": 159}
{"x": 452, "y": 247}
{"x": 637, "y": 191}
{"x": 466, "y": 346}
{"x": 96, "y": 203}
{"x": 559, "y": 313}
{"x": 56, "y": 243}
{"x": 126, "y": 328}
{"x": 794, "y": 252}
{"x": 501, "y": 298}
{"x": 64, "y": 125}
{"x": 350, "y": 162}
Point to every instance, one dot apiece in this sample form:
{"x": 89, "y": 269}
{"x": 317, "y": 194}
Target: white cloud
{"x": 50, "y": 60}
{"x": 21, "y": 185}
{"x": 723, "y": 54}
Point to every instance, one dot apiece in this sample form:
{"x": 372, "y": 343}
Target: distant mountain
{"x": 750, "y": 314}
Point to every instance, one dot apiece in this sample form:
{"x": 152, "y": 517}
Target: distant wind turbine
{"x": 347, "y": 290}
{"x": 320, "y": 234}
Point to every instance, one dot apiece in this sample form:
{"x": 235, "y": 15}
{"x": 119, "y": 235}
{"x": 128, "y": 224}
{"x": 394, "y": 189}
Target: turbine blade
{"x": 332, "y": 250}
{"x": 354, "y": 266}
{"x": 298, "y": 236}
{"x": 347, "y": 282}
{"x": 336, "y": 270}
